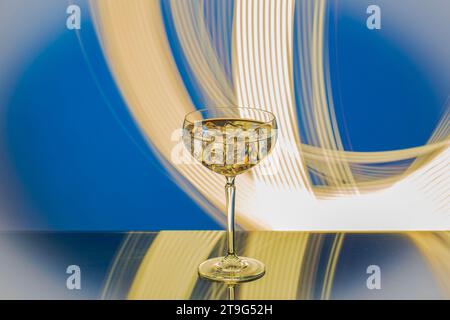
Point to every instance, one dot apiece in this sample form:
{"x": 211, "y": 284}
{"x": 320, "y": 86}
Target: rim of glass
{"x": 273, "y": 118}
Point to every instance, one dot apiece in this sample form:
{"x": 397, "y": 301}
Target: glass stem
{"x": 230, "y": 190}
{"x": 231, "y": 292}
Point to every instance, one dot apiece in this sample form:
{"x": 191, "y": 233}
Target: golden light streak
{"x": 169, "y": 268}
{"x": 434, "y": 246}
{"x": 331, "y": 266}
{"x": 282, "y": 253}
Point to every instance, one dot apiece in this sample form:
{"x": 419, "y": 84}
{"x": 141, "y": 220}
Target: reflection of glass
{"x": 230, "y": 141}
{"x": 231, "y": 295}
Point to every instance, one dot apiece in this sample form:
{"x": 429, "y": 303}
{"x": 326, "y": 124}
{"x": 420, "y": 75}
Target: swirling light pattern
{"x": 170, "y": 57}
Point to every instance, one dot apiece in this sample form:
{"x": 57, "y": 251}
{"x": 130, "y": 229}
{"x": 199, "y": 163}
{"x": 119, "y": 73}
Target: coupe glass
{"x": 230, "y": 141}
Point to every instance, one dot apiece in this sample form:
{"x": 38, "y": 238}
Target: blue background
{"x": 84, "y": 165}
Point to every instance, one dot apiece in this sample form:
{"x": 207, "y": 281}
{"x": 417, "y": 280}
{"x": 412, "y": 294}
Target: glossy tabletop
{"x": 163, "y": 265}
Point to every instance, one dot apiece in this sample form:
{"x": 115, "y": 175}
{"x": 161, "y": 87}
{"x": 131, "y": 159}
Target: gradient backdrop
{"x": 87, "y": 117}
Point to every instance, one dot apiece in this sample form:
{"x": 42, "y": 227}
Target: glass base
{"x": 231, "y": 269}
